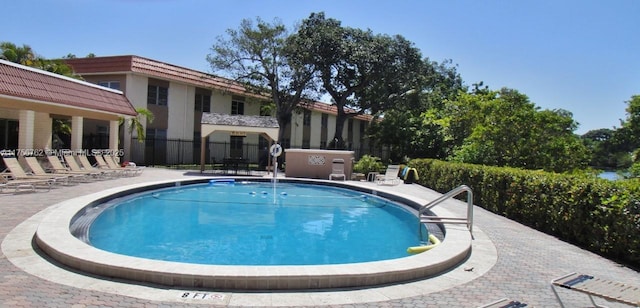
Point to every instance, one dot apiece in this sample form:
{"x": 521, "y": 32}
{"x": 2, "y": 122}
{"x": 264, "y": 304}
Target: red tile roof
{"x": 34, "y": 84}
{"x": 333, "y": 109}
{"x": 136, "y": 64}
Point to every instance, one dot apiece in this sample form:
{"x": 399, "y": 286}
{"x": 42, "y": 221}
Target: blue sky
{"x": 582, "y": 56}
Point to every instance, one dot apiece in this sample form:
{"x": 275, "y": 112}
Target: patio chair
{"x": 606, "y": 289}
{"x": 18, "y": 173}
{"x": 504, "y": 303}
{"x": 113, "y": 164}
{"x": 105, "y": 162}
{"x": 337, "y": 169}
{"x": 36, "y": 168}
{"x": 72, "y": 164}
{"x": 86, "y": 165}
{"x": 390, "y": 177}
{"x": 22, "y": 185}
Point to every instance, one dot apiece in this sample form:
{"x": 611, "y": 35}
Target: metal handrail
{"x": 454, "y": 192}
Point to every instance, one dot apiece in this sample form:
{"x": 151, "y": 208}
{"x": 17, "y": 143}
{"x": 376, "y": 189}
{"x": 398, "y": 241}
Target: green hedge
{"x": 599, "y": 215}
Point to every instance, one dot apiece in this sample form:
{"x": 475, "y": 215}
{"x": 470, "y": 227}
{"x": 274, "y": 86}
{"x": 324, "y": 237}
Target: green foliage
{"x": 634, "y": 170}
{"x": 368, "y": 164}
{"x": 505, "y": 129}
{"x": 361, "y": 71}
{"x": 599, "y": 215}
{"x": 136, "y": 123}
{"x": 26, "y": 56}
{"x": 267, "y": 60}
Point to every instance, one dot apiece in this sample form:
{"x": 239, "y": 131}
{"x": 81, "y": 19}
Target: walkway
{"x": 526, "y": 261}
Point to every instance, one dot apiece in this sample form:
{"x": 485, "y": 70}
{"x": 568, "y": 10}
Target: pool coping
{"x": 54, "y": 238}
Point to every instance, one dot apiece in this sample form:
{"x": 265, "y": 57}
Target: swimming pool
{"x": 249, "y": 223}
{"x": 55, "y": 239}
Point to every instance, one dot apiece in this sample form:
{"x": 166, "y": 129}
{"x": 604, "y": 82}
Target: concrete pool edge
{"x": 54, "y": 238}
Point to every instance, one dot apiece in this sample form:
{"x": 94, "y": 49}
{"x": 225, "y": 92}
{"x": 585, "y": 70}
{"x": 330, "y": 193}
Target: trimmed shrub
{"x": 596, "y": 214}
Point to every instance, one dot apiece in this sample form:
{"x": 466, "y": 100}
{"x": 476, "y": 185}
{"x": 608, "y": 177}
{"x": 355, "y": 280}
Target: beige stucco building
{"x": 178, "y": 96}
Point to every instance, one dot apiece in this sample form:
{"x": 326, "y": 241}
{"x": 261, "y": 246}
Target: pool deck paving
{"x": 509, "y": 260}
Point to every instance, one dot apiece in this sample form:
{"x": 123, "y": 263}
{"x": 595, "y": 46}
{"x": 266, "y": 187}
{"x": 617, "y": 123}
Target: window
{"x": 324, "y": 123}
{"x": 306, "y": 118}
{"x": 102, "y": 130}
{"x": 110, "y": 84}
{"x": 203, "y": 102}
{"x": 158, "y": 134}
{"x": 157, "y": 95}
{"x": 237, "y": 105}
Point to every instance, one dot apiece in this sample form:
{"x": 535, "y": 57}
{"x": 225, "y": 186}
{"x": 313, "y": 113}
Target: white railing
{"x": 450, "y": 220}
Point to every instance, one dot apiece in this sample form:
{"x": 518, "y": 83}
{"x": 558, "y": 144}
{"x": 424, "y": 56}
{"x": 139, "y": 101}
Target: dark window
{"x": 306, "y": 118}
{"x": 153, "y": 133}
{"x": 110, "y": 84}
{"x": 203, "y": 103}
{"x": 157, "y": 95}
{"x": 8, "y": 134}
{"x": 237, "y": 105}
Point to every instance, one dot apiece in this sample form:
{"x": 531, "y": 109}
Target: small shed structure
{"x": 211, "y": 122}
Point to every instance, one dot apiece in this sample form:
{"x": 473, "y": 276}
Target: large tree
{"x": 22, "y": 55}
{"x": 361, "y": 71}
{"x": 259, "y": 55}
{"x": 506, "y": 129}
{"x": 413, "y": 126}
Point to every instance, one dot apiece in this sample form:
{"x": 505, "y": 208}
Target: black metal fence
{"x": 183, "y": 152}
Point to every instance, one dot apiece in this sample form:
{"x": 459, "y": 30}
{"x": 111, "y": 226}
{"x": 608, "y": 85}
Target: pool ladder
{"x": 450, "y": 220}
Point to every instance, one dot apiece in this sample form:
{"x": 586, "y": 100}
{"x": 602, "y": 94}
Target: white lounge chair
{"x": 390, "y": 177}
{"x": 73, "y": 165}
{"x": 16, "y": 172}
{"x": 86, "y": 165}
{"x": 107, "y": 162}
{"x": 23, "y": 185}
{"x": 337, "y": 169}
{"x": 36, "y": 168}
{"x": 592, "y": 286}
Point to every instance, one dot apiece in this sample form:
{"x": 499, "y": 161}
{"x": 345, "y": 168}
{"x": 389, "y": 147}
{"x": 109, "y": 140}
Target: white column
{"x": 43, "y": 131}
{"x": 27, "y": 129}
{"x": 76, "y": 133}
{"x": 126, "y": 143}
{"x": 113, "y": 135}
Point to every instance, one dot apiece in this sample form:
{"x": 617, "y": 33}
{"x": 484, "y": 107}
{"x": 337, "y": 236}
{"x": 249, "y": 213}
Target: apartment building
{"x": 178, "y": 96}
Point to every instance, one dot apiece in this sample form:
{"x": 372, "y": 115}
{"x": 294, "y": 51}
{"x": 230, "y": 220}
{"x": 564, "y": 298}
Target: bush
{"x": 596, "y": 214}
{"x": 368, "y": 164}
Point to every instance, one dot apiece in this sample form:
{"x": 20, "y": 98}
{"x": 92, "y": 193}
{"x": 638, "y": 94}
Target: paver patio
{"x": 526, "y": 262}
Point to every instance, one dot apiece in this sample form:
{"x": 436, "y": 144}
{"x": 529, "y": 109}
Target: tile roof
{"x": 34, "y": 84}
{"x": 239, "y": 120}
{"x": 136, "y": 64}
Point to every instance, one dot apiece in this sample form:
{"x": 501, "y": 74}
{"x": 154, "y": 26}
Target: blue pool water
{"x": 243, "y": 224}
